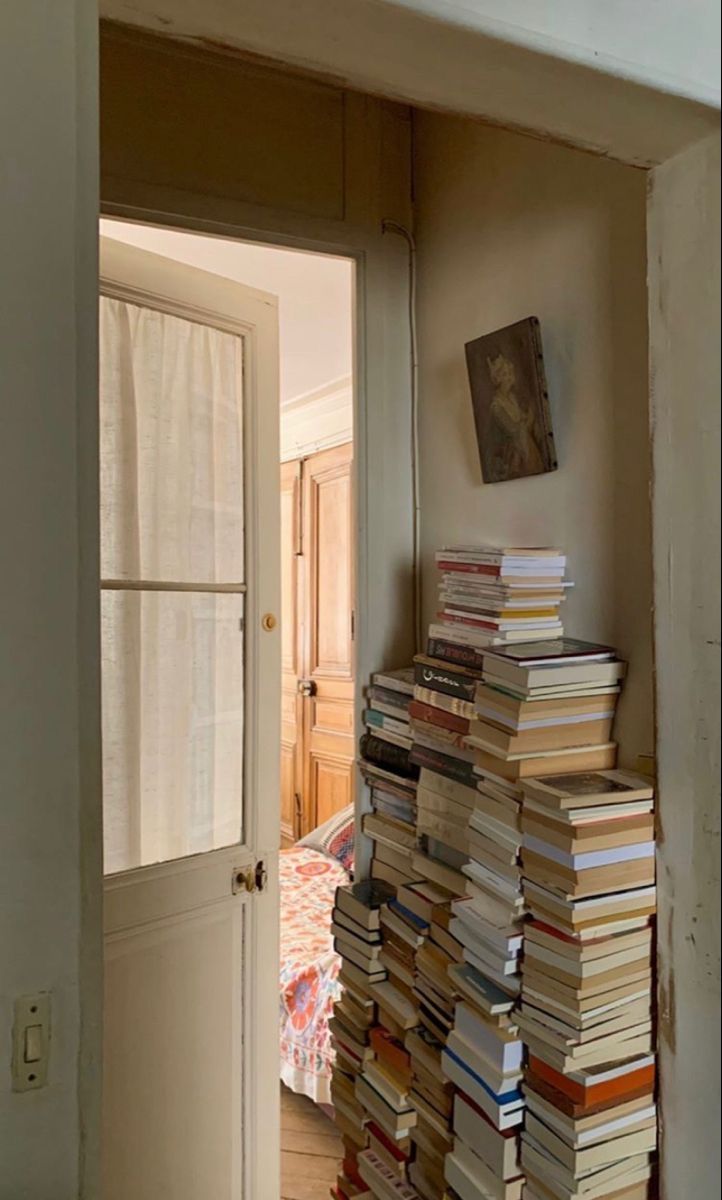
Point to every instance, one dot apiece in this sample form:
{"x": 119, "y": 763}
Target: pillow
{"x": 334, "y": 837}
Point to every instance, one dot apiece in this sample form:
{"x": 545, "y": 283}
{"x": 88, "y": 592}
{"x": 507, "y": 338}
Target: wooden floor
{"x": 311, "y": 1149}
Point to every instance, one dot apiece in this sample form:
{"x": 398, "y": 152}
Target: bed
{"x": 310, "y": 872}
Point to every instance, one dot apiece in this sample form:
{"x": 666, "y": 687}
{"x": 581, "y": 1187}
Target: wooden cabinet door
{"x": 291, "y": 650}
{"x": 328, "y": 717}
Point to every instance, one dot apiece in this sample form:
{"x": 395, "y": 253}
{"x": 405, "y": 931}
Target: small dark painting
{"x": 511, "y": 402}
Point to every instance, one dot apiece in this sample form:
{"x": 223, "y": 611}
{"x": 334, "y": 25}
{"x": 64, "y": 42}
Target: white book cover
{"x": 500, "y": 1151}
{"x": 642, "y": 897}
{"x": 480, "y": 1068}
{"x": 592, "y": 1014}
{"x": 590, "y": 816}
{"x": 511, "y": 983}
{"x": 504, "y": 1053}
{"x": 599, "y": 1132}
{"x": 592, "y": 858}
{"x": 589, "y": 1076}
{"x": 489, "y": 827}
{"x": 505, "y": 1114}
{"x": 489, "y": 879}
{"x": 505, "y": 937}
{"x": 472, "y": 1179}
{"x": 585, "y": 970}
{"x": 506, "y": 962}
{"x": 542, "y": 722}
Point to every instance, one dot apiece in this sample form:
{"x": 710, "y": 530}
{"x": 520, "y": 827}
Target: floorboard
{"x": 311, "y": 1149}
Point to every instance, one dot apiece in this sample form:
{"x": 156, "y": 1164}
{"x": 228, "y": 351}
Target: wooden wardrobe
{"x": 317, "y": 619}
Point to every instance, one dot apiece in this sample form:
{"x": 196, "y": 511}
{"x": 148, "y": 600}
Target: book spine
{"x": 437, "y": 679}
{"x": 472, "y": 620}
{"x": 438, "y": 716}
{"x": 387, "y": 754}
{"x": 443, "y": 764}
{"x": 550, "y": 453}
{"x": 468, "y": 568}
{"x": 453, "y": 652}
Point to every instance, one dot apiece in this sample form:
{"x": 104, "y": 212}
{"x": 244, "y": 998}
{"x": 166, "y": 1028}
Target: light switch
{"x": 31, "y": 1042}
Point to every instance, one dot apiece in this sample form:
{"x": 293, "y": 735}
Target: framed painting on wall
{"x": 511, "y": 402}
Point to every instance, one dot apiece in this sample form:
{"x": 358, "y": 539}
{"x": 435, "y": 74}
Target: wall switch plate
{"x": 31, "y": 1042}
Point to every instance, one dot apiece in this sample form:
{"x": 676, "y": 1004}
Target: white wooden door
{"x": 191, "y": 734}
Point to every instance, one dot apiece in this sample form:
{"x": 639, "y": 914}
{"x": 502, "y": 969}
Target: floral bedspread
{"x": 309, "y": 969}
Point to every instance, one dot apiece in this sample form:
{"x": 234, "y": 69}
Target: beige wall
{"x": 601, "y": 76}
{"x": 684, "y": 306}
{"x": 508, "y": 227}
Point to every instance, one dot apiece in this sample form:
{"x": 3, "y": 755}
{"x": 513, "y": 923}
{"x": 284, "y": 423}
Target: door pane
{"x": 171, "y": 448}
{"x": 172, "y": 725}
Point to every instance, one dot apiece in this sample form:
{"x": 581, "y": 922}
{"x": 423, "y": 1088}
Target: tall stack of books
{"x": 586, "y": 1004}
{"x": 495, "y": 597}
{"x": 409, "y": 1051}
{"x": 441, "y": 714}
{"x": 357, "y": 938}
{"x": 391, "y": 775}
{"x": 467, "y": 1044}
{"x": 483, "y": 1054}
{"x": 544, "y": 709}
{"x": 521, "y": 922}
{"x": 431, "y": 1094}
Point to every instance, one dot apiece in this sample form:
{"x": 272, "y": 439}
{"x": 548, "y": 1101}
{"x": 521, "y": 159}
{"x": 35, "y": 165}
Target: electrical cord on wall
{"x": 394, "y": 227}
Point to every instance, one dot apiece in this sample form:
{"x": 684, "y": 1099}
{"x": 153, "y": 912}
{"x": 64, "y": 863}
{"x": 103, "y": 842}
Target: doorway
{"x": 318, "y": 616}
{"x": 216, "y": 975}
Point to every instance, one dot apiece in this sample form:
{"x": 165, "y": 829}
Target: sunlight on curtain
{"x": 171, "y": 455}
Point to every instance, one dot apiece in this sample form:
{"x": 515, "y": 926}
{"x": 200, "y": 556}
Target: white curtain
{"x": 171, "y": 456}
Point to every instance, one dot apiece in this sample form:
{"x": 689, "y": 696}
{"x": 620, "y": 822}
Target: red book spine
{"x": 351, "y": 1171}
{"x": 386, "y": 1142}
{"x": 438, "y": 716}
{"x": 470, "y": 568}
{"x": 449, "y": 617}
{"x": 593, "y": 1091}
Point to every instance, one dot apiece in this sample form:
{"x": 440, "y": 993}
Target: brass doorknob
{"x": 269, "y": 622}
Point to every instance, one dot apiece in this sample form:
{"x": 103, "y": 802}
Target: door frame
{"x": 380, "y": 264}
{"x": 371, "y": 268}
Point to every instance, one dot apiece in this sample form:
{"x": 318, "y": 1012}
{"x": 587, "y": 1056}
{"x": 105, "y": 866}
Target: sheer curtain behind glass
{"x": 172, "y": 562}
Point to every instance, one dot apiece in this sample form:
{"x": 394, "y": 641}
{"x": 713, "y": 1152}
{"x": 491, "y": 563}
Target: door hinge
{"x": 252, "y": 879}
{"x": 353, "y": 625}
{"x": 297, "y": 815}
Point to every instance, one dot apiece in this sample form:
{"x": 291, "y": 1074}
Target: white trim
{"x": 317, "y": 420}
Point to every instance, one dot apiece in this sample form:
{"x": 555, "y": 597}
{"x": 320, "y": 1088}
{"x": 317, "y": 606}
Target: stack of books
{"x": 391, "y": 776}
{"x": 483, "y": 1054}
{"x": 387, "y": 707}
{"x": 586, "y": 1003}
{"x": 357, "y": 938}
{"x": 441, "y": 714}
{"x": 412, "y": 1006}
{"x": 545, "y": 709}
{"x": 416, "y": 1003}
{"x": 493, "y": 597}
{"x": 509, "y": 1052}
